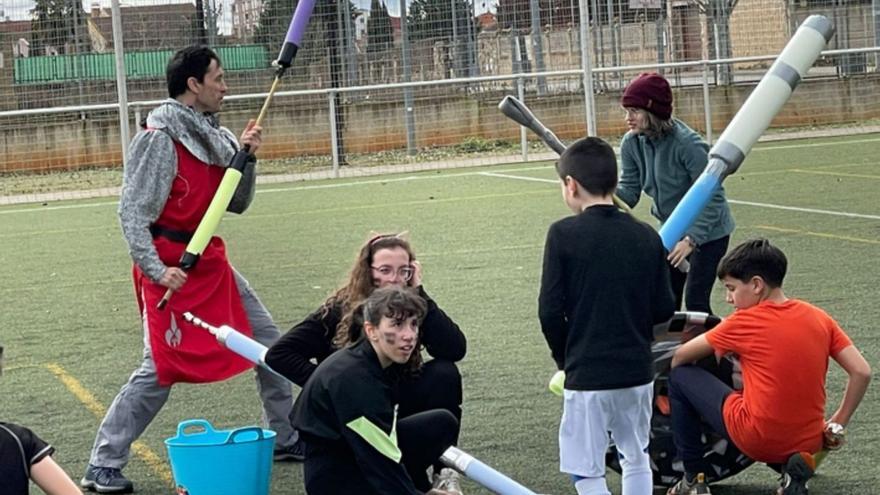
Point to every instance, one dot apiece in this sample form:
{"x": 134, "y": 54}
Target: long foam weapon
{"x": 750, "y": 122}
{"x": 482, "y": 473}
{"x": 453, "y": 457}
{"x": 220, "y": 202}
{"x": 518, "y": 112}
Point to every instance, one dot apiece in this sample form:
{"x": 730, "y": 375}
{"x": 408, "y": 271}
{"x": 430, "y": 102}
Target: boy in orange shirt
{"x": 783, "y": 345}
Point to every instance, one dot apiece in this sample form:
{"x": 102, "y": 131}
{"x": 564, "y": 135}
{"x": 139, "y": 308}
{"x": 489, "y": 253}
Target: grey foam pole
{"x": 752, "y": 119}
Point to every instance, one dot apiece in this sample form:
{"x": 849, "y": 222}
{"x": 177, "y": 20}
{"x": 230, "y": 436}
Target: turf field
{"x": 72, "y": 333}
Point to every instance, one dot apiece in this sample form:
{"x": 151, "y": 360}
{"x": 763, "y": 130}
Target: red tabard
{"x": 183, "y": 352}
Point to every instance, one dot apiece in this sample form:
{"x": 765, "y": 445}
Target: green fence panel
{"x": 138, "y": 65}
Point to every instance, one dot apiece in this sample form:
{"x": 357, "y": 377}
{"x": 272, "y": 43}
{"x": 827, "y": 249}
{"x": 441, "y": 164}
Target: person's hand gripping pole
{"x": 243, "y": 157}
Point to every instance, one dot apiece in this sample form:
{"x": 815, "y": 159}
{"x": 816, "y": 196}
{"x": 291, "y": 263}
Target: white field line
{"x": 359, "y": 172}
{"x": 519, "y": 177}
{"x": 805, "y": 210}
{"x": 332, "y": 185}
{"x": 814, "y": 145}
{"x": 731, "y": 201}
{"x": 422, "y": 177}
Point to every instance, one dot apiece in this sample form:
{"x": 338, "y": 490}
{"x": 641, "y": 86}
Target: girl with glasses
{"x": 382, "y": 261}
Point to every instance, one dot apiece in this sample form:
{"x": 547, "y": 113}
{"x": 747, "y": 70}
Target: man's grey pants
{"x": 141, "y": 398}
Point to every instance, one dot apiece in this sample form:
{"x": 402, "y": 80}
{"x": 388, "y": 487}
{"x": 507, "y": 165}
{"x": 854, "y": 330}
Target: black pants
{"x": 438, "y": 386}
{"x": 695, "y": 394}
{"x": 331, "y": 468}
{"x": 700, "y": 278}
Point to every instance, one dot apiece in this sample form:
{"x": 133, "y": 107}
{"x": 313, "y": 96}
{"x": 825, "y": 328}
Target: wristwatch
{"x": 689, "y": 240}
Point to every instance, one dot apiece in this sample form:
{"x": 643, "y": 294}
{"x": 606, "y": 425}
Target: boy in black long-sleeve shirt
{"x": 605, "y": 284}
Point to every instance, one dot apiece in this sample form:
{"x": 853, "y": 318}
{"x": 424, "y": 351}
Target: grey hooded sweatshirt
{"x": 152, "y": 167}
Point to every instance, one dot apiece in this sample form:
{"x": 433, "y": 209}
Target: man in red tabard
{"x": 174, "y": 168}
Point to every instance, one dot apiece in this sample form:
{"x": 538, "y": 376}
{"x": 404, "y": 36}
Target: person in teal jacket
{"x": 663, "y": 157}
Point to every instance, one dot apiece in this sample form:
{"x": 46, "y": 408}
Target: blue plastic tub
{"x": 206, "y": 461}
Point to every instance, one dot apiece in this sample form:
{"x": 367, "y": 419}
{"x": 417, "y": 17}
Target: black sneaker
{"x": 105, "y": 480}
{"x": 795, "y": 473}
{"x": 291, "y": 453}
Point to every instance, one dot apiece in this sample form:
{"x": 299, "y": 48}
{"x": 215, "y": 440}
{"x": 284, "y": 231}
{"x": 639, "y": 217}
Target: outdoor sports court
{"x": 72, "y": 333}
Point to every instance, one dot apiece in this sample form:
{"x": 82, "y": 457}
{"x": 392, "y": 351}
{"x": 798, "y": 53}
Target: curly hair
{"x": 392, "y": 302}
{"x": 360, "y": 285}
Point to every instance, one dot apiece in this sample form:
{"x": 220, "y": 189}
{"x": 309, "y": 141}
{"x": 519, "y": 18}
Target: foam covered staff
{"x": 242, "y": 158}
{"x": 518, "y": 112}
{"x": 750, "y": 122}
{"x": 233, "y": 340}
{"x": 455, "y": 458}
{"x": 482, "y": 473}
{"x": 295, "y": 33}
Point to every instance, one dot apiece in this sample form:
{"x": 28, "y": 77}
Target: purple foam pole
{"x": 299, "y": 22}
{"x": 295, "y": 33}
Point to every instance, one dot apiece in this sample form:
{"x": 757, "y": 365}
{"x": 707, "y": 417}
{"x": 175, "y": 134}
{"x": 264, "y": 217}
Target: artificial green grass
{"x": 67, "y": 299}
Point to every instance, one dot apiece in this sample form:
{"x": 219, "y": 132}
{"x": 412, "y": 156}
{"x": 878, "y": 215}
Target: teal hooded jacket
{"x": 665, "y": 168}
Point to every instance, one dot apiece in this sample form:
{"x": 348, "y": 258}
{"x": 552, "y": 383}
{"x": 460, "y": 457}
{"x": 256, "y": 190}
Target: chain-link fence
{"x": 372, "y": 88}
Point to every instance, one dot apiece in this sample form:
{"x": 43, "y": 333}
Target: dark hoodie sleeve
{"x": 663, "y": 300}
{"x": 442, "y": 337}
{"x": 366, "y": 418}
{"x": 309, "y": 339}
{"x": 244, "y": 193}
{"x": 551, "y": 299}
{"x": 383, "y": 474}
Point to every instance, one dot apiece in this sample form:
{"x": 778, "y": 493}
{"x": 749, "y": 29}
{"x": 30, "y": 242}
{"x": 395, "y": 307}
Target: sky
{"x": 18, "y": 10}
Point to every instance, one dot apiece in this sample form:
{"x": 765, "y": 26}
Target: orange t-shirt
{"x": 784, "y": 350}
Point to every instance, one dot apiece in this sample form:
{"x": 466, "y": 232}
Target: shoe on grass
{"x": 696, "y": 486}
{"x": 448, "y": 480}
{"x": 798, "y": 469}
{"x": 105, "y": 480}
{"x": 291, "y": 453}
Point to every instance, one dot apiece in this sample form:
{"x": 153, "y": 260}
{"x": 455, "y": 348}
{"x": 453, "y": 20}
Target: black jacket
{"x": 605, "y": 284}
{"x": 312, "y": 338}
{"x": 350, "y": 394}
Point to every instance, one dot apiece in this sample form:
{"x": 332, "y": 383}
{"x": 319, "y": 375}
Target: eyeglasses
{"x": 405, "y": 272}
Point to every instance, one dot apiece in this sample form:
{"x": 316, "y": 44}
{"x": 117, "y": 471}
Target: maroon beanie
{"x": 651, "y": 92}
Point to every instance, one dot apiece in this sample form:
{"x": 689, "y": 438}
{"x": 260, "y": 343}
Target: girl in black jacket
{"x": 384, "y": 260}
{"x": 347, "y": 413}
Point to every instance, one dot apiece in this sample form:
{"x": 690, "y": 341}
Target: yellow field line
{"x": 7, "y": 369}
{"x": 838, "y": 174}
{"x": 818, "y": 234}
{"x": 152, "y": 460}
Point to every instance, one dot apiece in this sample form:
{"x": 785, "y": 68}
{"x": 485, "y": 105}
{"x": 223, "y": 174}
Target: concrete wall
{"x": 300, "y": 127}
{"x": 759, "y": 27}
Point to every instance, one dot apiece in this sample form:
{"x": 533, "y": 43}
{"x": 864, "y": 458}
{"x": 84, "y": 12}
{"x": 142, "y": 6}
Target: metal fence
{"x": 371, "y": 88}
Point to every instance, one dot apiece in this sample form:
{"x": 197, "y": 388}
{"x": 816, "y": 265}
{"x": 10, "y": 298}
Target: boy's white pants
{"x": 588, "y": 417}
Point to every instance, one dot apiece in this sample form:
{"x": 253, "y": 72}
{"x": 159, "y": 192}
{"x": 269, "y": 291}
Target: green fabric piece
{"x": 386, "y": 444}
